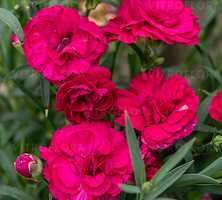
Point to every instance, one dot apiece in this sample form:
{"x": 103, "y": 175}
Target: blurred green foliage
{"x": 25, "y": 98}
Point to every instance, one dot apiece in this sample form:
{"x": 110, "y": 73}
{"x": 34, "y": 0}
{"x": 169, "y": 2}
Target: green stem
{"x": 114, "y": 57}
{"x": 139, "y": 52}
{"x": 137, "y": 197}
{"x": 90, "y": 5}
{"x": 141, "y": 196}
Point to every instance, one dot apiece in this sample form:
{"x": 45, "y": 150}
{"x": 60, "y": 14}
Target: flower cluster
{"x": 89, "y": 159}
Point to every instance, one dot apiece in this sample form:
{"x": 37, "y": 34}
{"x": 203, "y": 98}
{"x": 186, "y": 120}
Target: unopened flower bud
{"x": 159, "y": 61}
{"x": 28, "y": 165}
{"x": 217, "y": 141}
{"x": 146, "y": 186}
{"x": 15, "y": 40}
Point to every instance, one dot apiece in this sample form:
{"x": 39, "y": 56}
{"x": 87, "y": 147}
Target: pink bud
{"x": 28, "y": 165}
{"x": 15, "y": 40}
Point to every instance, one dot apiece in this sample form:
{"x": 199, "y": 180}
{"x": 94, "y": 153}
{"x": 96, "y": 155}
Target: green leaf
{"x": 7, "y": 165}
{"x": 131, "y": 189}
{"x": 137, "y": 161}
{"x": 214, "y": 73}
{"x": 191, "y": 179}
{"x": 205, "y": 54}
{"x": 8, "y": 18}
{"x": 169, "y": 180}
{"x": 115, "y": 54}
{"x": 134, "y": 64}
{"x": 203, "y": 109}
{"x": 45, "y": 92}
{"x": 91, "y": 4}
{"x": 14, "y": 193}
{"x": 207, "y": 129}
{"x": 213, "y": 167}
{"x": 173, "y": 161}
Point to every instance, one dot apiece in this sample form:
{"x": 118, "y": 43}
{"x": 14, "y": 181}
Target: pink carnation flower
{"x": 86, "y": 161}
{"x": 58, "y": 43}
{"x": 169, "y": 21}
{"x": 162, "y": 108}
{"x": 88, "y": 96}
{"x": 216, "y": 107}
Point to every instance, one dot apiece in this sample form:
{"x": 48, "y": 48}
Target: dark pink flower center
{"x": 93, "y": 166}
{"x": 159, "y": 111}
{"x": 166, "y": 108}
{"x": 64, "y": 42}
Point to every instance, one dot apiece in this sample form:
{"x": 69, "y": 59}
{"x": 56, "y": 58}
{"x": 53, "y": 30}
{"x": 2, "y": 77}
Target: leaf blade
{"x": 173, "y": 161}
{"x": 137, "y": 161}
{"x": 191, "y": 179}
{"x": 45, "y": 92}
{"x": 213, "y": 167}
{"x": 14, "y": 193}
{"x": 203, "y": 109}
{"x": 131, "y": 189}
{"x": 11, "y": 20}
{"x": 168, "y": 181}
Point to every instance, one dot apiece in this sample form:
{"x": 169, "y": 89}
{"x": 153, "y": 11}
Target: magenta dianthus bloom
{"x": 89, "y": 96}
{"x": 86, "y": 161}
{"x": 58, "y": 43}
{"x": 169, "y": 21}
{"x": 162, "y": 108}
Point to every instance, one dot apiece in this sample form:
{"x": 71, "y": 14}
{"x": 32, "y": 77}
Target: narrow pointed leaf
{"x": 213, "y": 167}
{"x": 45, "y": 90}
{"x": 173, "y": 161}
{"x": 131, "y": 189}
{"x": 191, "y": 179}
{"x": 168, "y": 181}
{"x": 14, "y": 193}
{"x": 137, "y": 161}
{"x": 207, "y": 129}
{"x": 203, "y": 109}
{"x": 214, "y": 73}
{"x": 11, "y": 20}
{"x": 134, "y": 64}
